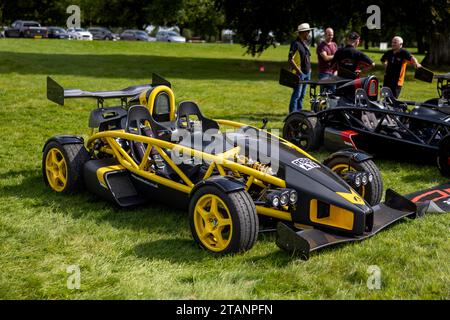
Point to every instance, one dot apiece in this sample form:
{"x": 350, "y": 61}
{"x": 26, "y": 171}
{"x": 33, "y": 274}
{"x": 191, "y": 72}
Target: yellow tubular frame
{"x": 127, "y": 162}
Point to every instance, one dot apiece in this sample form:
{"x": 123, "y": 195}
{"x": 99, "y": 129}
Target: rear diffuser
{"x": 303, "y": 242}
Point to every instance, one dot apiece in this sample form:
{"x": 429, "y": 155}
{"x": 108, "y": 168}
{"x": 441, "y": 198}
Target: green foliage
{"x": 148, "y": 252}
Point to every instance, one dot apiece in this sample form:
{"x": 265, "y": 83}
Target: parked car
{"x": 169, "y": 36}
{"x": 57, "y": 33}
{"x": 79, "y": 34}
{"x": 137, "y": 35}
{"x": 100, "y": 33}
{"x": 26, "y": 29}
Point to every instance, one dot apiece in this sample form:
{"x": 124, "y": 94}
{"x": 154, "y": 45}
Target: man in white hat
{"x": 300, "y": 61}
{"x": 395, "y": 61}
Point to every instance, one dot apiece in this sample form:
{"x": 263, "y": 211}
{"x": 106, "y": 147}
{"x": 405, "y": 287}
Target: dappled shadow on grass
{"x": 137, "y": 66}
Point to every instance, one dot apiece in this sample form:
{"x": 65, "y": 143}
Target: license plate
{"x": 38, "y": 37}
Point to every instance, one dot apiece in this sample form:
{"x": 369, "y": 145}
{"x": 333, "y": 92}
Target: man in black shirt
{"x": 395, "y": 61}
{"x": 300, "y": 61}
{"x": 349, "y": 61}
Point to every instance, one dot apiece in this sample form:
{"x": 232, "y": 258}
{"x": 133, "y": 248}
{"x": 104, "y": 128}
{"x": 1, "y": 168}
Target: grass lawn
{"x": 148, "y": 252}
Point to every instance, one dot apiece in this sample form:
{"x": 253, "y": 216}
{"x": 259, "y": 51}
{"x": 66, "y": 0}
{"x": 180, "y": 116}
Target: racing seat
{"x": 389, "y": 100}
{"x": 186, "y": 109}
{"x": 138, "y": 120}
{"x": 201, "y": 131}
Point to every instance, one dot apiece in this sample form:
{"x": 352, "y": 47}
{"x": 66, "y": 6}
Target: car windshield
{"x": 79, "y": 29}
{"x": 174, "y": 34}
{"x": 141, "y": 33}
{"x": 31, "y": 24}
{"x": 58, "y": 30}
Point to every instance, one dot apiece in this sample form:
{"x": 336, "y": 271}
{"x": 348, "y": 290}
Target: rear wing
{"x": 57, "y": 94}
{"x": 291, "y": 80}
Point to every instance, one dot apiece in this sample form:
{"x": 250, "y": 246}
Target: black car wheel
{"x": 304, "y": 131}
{"x": 372, "y": 192}
{"x": 223, "y": 223}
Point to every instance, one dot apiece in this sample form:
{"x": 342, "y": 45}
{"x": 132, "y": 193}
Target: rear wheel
{"x": 222, "y": 222}
{"x": 372, "y": 192}
{"x": 305, "y": 132}
{"x": 62, "y": 166}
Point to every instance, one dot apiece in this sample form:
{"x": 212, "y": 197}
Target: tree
{"x": 201, "y": 16}
{"x": 419, "y": 19}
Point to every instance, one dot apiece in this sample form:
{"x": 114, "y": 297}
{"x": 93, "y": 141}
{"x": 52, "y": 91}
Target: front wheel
{"x": 223, "y": 223}
{"x": 303, "y": 131}
{"x": 372, "y": 190}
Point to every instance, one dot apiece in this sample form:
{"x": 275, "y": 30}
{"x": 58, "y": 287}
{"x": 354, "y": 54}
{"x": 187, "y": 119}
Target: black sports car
{"x": 57, "y": 33}
{"x": 228, "y": 179}
{"x": 353, "y": 117}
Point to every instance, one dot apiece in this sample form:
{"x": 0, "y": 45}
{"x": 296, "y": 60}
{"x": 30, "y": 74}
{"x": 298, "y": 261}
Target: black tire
{"x": 303, "y": 131}
{"x": 373, "y": 191}
{"x": 443, "y": 158}
{"x": 244, "y": 220}
{"x": 75, "y": 156}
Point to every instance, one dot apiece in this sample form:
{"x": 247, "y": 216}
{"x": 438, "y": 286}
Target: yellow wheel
{"x": 56, "y": 169}
{"x": 223, "y": 222}
{"x": 62, "y": 166}
{"x": 372, "y": 192}
{"x": 213, "y": 223}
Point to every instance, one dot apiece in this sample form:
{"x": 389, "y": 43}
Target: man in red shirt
{"x": 325, "y": 53}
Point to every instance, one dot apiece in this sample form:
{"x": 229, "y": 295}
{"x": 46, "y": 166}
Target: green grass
{"x": 148, "y": 253}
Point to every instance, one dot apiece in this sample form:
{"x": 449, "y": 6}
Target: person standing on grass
{"x": 325, "y": 53}
{"x": 300, "y": 60}
{"x": 349, "y": 61}
{"x": 395, "y": 61}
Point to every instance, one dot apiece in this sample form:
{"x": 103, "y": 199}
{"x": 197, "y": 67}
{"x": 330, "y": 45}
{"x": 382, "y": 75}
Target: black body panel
{"x": 65, "y": 139}
{"x": 226, "y": 184}
{"x": 152, "y": 191}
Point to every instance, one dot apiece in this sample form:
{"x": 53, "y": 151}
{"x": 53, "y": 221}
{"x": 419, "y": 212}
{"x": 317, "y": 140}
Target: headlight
{"x": 364, "y": 179}
{"x": 293, "y": 197}
{"x": 284, "y": 198}
{"x": 275, "y": 201}
{"x": 370, "y": 177}
{"x": 358, "y": 181}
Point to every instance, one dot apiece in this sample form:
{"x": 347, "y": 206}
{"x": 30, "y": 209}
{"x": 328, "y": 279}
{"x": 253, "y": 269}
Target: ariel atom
{"x": 132, "y": 158}
{"x": 353, "y": 117}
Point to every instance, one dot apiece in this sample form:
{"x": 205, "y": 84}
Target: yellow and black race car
{"x": 147, "y": 150}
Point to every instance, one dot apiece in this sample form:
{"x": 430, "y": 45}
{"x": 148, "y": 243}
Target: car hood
{"x": 300, "y": 171}
{"x": 177, "y": 39}
{"x": 82, "y": 33}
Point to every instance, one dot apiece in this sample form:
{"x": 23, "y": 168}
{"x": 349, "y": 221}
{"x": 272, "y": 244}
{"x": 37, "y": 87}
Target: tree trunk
{"x": 420, "y": 42}
{"x": 439, "y": 53}
{"x": 365, "y": 37}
